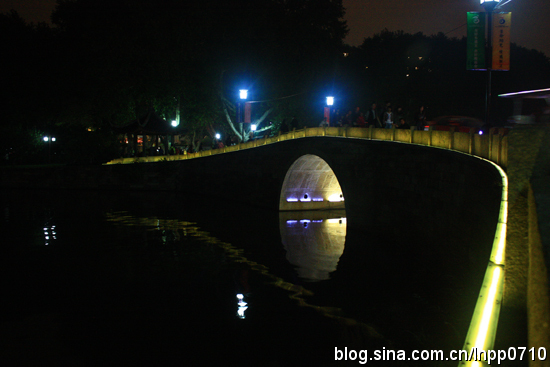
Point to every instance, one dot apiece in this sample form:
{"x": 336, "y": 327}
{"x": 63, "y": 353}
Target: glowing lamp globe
{"x": 489, "y": 5}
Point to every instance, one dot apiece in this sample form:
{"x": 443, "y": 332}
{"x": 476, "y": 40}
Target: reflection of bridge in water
{"x": 313, "y": 241}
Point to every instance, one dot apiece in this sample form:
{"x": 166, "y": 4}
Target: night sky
{"x": 530, "y": 18}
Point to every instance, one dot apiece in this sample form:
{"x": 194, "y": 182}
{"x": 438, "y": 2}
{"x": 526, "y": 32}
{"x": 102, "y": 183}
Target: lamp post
{"x": 243, "y": 95}
{"x": 489, "y": 6}
{"x": 253, "y": 128}
{"x": 330, "y": 102}
{"x": 49, "y": 139}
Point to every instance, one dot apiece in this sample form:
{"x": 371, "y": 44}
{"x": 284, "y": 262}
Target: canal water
{"x": 127, "y": 279}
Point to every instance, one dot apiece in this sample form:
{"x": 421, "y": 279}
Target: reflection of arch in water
{"x": 309, "y": 184}
{"x": 313, "y": 241}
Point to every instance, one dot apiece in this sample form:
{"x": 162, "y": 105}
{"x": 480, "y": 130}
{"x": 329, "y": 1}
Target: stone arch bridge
{"x": 456, "y": 192}
{"x": 440, "y": 186}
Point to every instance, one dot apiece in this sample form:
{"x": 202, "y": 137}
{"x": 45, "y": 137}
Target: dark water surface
{"x": 104, "y": 279}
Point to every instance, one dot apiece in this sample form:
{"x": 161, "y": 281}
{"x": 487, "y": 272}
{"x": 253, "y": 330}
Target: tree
{"x": 413, "y": 69}
{"x": 29, "y": 93}
{"x": 127, "y": 54}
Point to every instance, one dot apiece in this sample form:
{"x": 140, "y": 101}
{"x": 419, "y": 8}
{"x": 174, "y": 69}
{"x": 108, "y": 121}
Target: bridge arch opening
{"x": 310, "y": 184}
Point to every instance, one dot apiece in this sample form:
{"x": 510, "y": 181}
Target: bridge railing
{"x": 492, "y": 146}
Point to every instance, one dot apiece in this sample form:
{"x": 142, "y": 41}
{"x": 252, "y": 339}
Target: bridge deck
{"x": 492, "y": 146}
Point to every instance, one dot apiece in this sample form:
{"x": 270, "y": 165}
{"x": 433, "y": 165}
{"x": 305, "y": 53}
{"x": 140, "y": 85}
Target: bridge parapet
{"x": 492, "y": 146}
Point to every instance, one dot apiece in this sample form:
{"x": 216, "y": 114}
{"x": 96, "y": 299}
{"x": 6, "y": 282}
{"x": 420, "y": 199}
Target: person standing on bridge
{"x": 388, "y": 118}
{"x": 360, "y": 121}
{"x": 284, "y": 127}
{"x": 421, "y": 119}
{"x": 399, "y": 114}
{"x": 372, "y": 117}
{"x": 403, "y": 124}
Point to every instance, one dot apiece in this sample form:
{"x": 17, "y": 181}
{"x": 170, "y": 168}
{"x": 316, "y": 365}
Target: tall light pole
{"x": 243, "y": 95}
{"x": 489, "y": 6}
{"x": 330, "y": 103}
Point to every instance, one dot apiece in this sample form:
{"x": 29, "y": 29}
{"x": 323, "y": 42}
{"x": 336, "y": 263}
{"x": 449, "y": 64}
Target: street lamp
{"x": 330, "y": 102}
{"x": 489, "y": 5}
{"x": 175, "y": 123}
{"x": 253, "y": 128}
{"x": 243, "y": 95}
{"x": 49, "y": 139}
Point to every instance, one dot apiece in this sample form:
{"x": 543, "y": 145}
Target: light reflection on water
{"x": 127, "y": 268}
{"x": 313, "y": 241}
{"x": 315, "y": 250}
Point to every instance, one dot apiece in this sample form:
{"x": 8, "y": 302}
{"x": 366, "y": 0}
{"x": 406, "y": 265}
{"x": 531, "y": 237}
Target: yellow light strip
{"x": 483, "y": 330}
{"x": 499, "y": 248}
{"x": 483, "y": 326}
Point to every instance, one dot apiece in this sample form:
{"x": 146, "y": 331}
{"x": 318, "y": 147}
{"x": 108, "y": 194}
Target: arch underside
{"x": 310, "y": 184}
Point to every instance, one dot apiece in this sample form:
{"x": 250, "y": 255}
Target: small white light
{"x": 218, "y": 136}
{"x": 330, "y": 101}
{"x": 480, "y": 132}
{"x": 242, "y": 306}
{"x": 46, "y": 138}
{"x": 336, "y": 197}
{"x": 243, "y": 93}
{"x": 253, "y": 127}
{"x": 174, "y": 123}
{"x": 53, "y": 138}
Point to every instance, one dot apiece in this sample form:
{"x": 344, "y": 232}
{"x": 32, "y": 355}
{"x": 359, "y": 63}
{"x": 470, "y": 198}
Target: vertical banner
{"x": 247, "y": 112}
{"x": 501, "y": 41}
{"x": 476, "y": 41}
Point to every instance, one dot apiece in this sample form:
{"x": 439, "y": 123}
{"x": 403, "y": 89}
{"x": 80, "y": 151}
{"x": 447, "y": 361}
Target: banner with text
{"x": 501, "y": 41}
{"x": 476, "y": 41}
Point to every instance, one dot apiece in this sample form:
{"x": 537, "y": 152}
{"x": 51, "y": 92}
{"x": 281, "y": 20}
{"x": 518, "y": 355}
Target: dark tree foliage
{"x": 29, "y": 78}
{"x": 128, "y": 56}
{"x": 108, "y": 62}
{"x": 411, "y": 70}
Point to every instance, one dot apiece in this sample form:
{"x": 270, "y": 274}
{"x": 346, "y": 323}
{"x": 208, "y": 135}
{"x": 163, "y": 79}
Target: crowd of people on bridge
{"x": 387, "y": 118}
